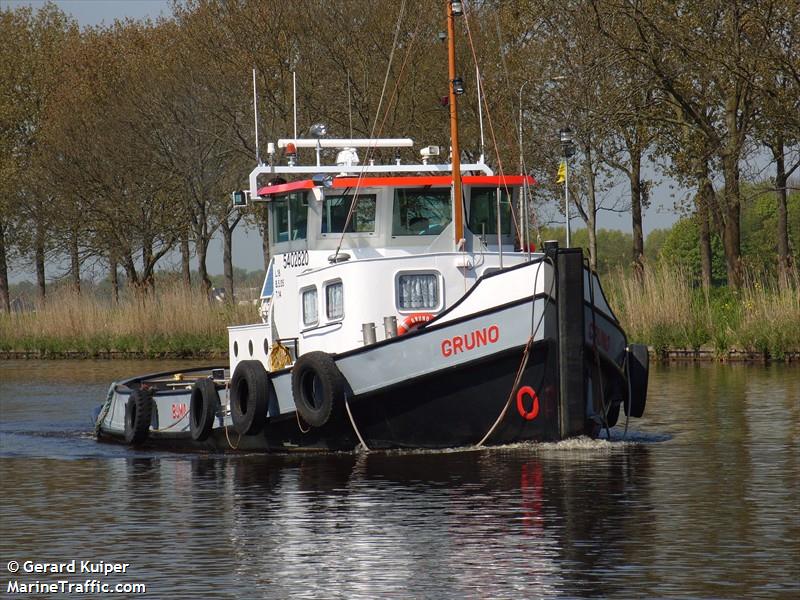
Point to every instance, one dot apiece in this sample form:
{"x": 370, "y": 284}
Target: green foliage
{"x": 614, "y": 247}
{"x": 760, "y": 224}
{"x": 654, "y": 242}
{"x": 681, "y": 249}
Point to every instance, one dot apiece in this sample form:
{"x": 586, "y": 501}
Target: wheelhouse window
{"x": 418, "y": 291}
{"x": 336, "y": 208}
{"x": 421, "y": 211}
{"x": 310, "y": 315}
{"x": 289, "y": 217}
{"x": 334, "y": 301}
{"x": 483, "y": 211}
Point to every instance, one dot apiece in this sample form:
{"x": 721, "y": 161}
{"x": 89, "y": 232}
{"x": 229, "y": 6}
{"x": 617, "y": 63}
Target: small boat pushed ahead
{"x": 403, "y": 307}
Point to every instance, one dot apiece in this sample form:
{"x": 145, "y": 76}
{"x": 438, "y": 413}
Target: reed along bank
{"x": 664, "y": 310}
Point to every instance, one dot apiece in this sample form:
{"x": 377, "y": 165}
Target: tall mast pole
{"x": 456, "y": 152}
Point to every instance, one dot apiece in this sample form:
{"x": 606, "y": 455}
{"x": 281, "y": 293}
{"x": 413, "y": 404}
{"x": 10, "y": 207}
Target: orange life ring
{"x": 528, "y": 415}
{"x": 413, "y": 321}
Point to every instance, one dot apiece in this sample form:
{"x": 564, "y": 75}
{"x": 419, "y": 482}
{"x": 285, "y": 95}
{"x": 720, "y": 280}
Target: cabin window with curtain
{"x": 483, "y": 211}
{"x": 336, "y": 208}
{"x": 309, "y": 302}
{"x": 334, "y": 301}
{"x": 289, "y": 217}
{"x": 417, "y": 291}
{"x": 421, "y": 211}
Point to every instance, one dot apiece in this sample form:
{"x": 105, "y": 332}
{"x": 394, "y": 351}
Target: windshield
{"x": 483, "y": 211}
{"x": 421, "y": 212}
{"x": 289, "y": 217}
{"x": 336, "y": 209}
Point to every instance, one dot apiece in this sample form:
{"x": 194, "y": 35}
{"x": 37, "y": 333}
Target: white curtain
{"x": 419, "y": 291}
{"x": 310, "y": 307}
{"x": 334, "y": 301}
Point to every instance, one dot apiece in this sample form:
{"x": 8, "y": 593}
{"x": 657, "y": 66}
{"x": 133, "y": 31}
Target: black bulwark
{"x": 572, "y": 387}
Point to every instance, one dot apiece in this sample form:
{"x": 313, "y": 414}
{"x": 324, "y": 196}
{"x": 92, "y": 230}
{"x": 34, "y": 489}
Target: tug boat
{"x": 403, "y": 307}
{"x": 379, "y": 329}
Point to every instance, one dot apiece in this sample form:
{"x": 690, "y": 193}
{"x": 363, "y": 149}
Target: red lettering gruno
{"x": 466, "y": 342}
{"x": 528, "y": 415}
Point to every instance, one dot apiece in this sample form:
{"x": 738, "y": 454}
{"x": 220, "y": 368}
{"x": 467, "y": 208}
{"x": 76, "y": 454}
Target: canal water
{"x": 700, "y": 499}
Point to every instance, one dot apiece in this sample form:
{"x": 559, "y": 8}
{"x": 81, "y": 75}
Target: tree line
{"x": 120, "y": 143}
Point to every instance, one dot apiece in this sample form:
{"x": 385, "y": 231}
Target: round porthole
{"x": 250, "y": 347}
{"x": 236, "y": 348}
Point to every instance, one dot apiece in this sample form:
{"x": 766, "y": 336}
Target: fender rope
{"x": 224, "y": 424}
{"x": 526, "y": 353}
{"x": 353, "y": 423}
{"x": 106, "y": 407}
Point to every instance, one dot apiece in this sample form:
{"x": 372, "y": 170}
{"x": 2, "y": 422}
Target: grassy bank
{"x": 666, "y": 312}
{"x": 176, "y": 323}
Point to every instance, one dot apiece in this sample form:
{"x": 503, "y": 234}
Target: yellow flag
{"x": 562, "y": 172}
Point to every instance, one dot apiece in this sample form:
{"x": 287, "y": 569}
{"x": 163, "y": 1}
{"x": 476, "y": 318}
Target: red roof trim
{"x": 413, "y": 181}
{"x": 285, "y": 188}
{"x": 439, "y": 180}
{"x": 497, "y": 180}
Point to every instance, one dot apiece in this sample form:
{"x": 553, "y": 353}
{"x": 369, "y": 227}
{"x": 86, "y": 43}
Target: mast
{"x": 458, "y": 203}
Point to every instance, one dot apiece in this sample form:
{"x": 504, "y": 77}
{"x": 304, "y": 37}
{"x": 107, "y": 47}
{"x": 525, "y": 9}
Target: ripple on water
{"x": 697, "y": 500}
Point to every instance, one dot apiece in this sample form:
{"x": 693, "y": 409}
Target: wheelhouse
{"x": 414, "y": 214}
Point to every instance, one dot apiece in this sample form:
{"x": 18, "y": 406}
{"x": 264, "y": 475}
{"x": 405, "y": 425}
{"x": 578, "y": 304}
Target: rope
{"x": 104, "y": 410}
{"x": 353, "y": 423}
{"x": 227, "y": 437}
{"x": 517, "y": 380}
{"x": 279, "y": 357}
{"x": 299, "y": 424}
{"x": 525, "y": 354}
{"x": 186, "y": 414}
{"x": 370, "y": 150}
{"x": 491, "y": 124}
{"x": 224, "y": 424}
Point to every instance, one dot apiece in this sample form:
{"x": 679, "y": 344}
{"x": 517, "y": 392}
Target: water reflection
{"x": 703, "y": 503}
{"x": 462, "y": 524}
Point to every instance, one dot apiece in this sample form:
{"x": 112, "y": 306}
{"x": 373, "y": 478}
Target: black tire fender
{"x": 249, "y": 397}
{"x": 204, "y": 407}
{"x": 638, "y": 368}
{"x": 138, "y": 416}
{"x": 318, "y": 388}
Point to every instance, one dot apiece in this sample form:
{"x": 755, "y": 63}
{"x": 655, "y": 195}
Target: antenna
{"x": 294, "y": 101}
{"x": 480, "y": 111}
{"x": 255, "y": 116}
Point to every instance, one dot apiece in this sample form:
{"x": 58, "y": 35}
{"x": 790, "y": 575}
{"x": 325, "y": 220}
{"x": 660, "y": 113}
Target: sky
{"x": 247, "y": 243}
{"x": 96, "y": 12}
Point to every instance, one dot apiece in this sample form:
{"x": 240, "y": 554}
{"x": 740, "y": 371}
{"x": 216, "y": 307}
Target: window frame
{"x": 505, "y": 222}
{"x": 302, "y": 199}
{"x": 325, "y": 286}
{"x": 419, "y": 191}
{"x": 361, "y": 196}
{"x": 303, "y": 291}
{"x": 440, "y": 291}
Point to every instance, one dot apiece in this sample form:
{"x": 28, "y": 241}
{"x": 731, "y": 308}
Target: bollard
{"x": 390, "y": 326}
{"x": 368, "y": 333}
